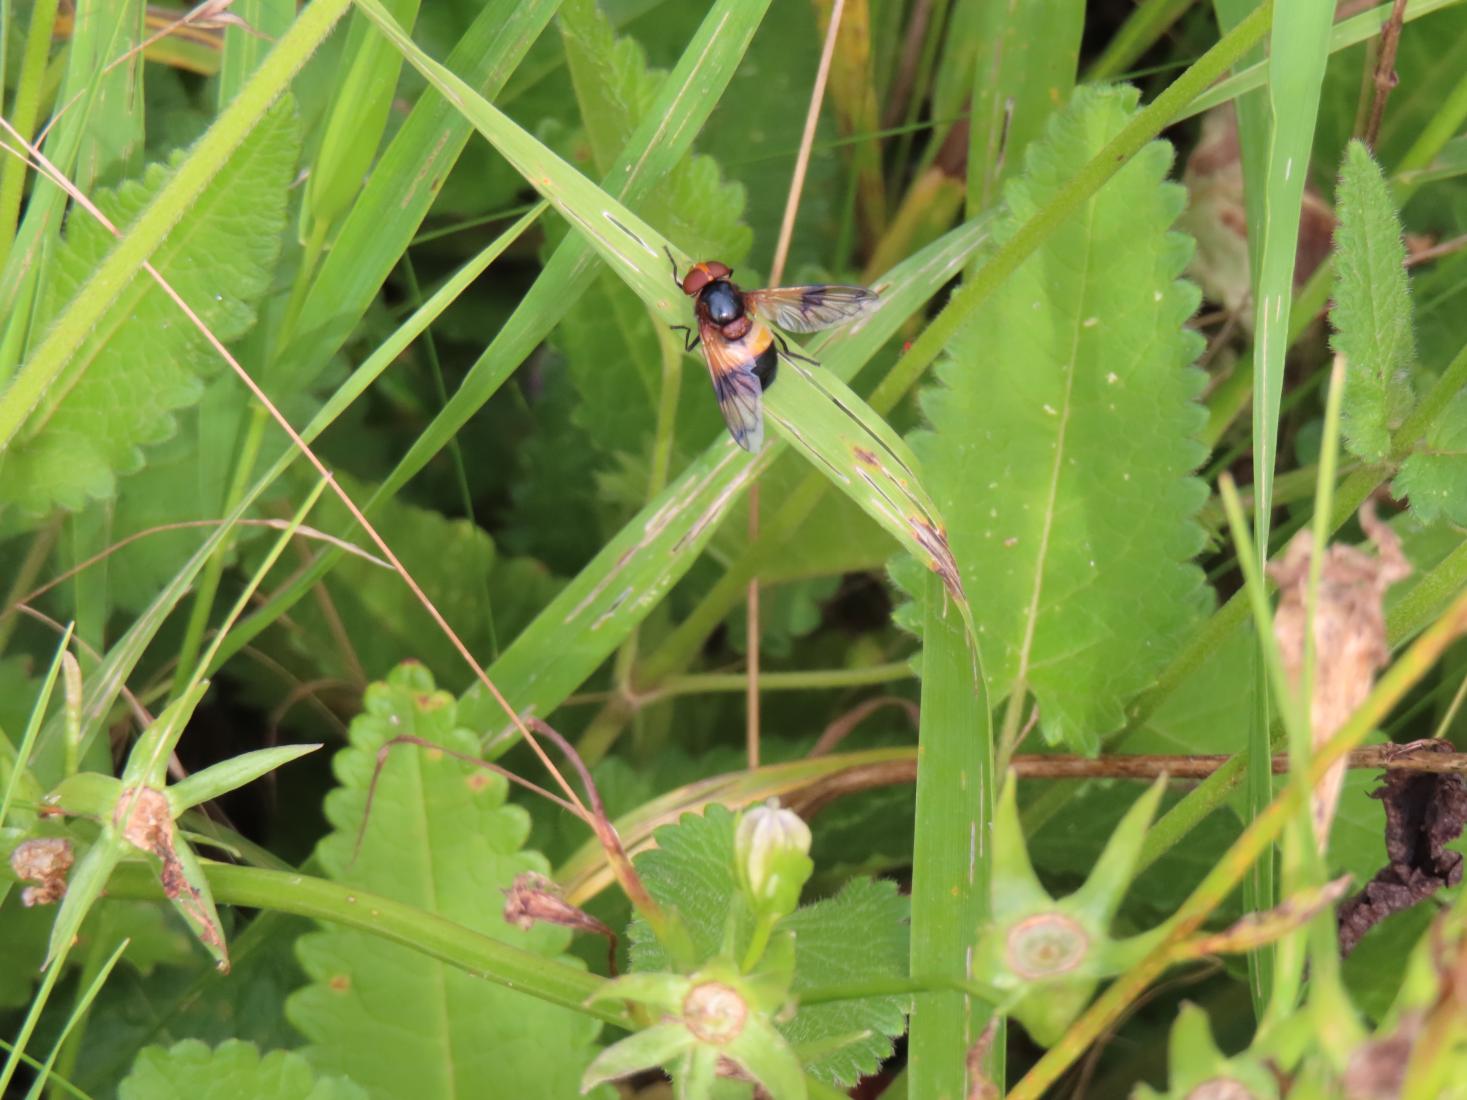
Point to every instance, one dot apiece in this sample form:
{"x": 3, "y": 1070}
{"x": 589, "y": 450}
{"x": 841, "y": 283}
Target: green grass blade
{"x": 598, "y": 609}
{"x": 1025, "y": 71}
{"x": 78, "y": 1014}
{"x": 1299, "y": 52}
{"x": 404, "y": 182}
{"x": 23, "y": 748}
{"x": 361, "y": 96}
{"x": 827, "y": 422}
{"x": 951, "y": 861}
{"x": 1344, "y": 34}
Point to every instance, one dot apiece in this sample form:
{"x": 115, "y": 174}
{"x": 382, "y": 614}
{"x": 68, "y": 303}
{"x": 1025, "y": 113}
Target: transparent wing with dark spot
{"x": 811, "y": 308}
{"x": 740, "y": 396}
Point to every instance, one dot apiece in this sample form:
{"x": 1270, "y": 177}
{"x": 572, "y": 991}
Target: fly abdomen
{"x": 765, "y": 364}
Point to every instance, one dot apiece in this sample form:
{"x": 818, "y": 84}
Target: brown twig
{"x": 827, "y": 789}
{"x": 1437, "y": 251}
{"x": 616, "y": 853}
{"x": 1385, "y": 70}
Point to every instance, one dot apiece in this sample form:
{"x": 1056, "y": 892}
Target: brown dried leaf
{"x": 1349, "y": 635}
{"x": 44, "y": 860}
{"x": 532, "y": 898}
{"x": 1425, "y": 812}
{"x": 146, "y": 822}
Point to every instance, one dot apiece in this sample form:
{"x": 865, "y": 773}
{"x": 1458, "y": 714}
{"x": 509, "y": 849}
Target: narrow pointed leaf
{"x": 1108, "y": 882}
{"x": 228, "y": 775}
{"x": 647, "y": 1049}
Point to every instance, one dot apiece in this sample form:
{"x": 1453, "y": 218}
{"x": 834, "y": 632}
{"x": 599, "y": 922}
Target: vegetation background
{"x": 1129, "y": 254}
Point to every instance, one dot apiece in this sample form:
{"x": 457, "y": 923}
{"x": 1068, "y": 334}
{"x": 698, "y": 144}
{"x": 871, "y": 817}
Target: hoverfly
{"x": 739, "y": 348}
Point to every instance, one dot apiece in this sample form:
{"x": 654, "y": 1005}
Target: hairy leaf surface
{"x": 144, "y": 359}
{"x": 1435, "y": 477}
{"x": 1062, "y": 439}
{"x": 440, "y": 836}
{"x": 1372, "y": 308}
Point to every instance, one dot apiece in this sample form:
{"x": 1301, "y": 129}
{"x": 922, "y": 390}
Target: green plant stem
{"x": 41, "y": 545}
{"x": 434, "y": 936}
{"x": 1186, "y": 815}
{"x": 1259, "y": 835}
{"x": 485, "y": 566}
{"x": 208, "y": 589}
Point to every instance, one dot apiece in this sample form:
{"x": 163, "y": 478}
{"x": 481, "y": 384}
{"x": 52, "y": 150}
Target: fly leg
{"x": 676, "y": 278}
{"x": 690, "y": 341}
{"x": 784, "y": 349}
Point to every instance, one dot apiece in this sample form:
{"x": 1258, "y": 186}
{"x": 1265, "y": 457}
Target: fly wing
{"x": 811, "y": 308}
{"x": 740, "y": 396}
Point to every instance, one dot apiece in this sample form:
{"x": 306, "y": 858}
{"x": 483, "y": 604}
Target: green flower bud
{"x": 773, "y": 850}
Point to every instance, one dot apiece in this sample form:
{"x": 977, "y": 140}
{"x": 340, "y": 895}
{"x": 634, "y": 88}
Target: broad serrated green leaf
{"x": 1434, "y": 477}
{"x": 1064, "y": 435}
{"x": 190, "y": 1070}
{"x": 692, "y": 871}
{"x": 440, "y": 836}
{"x": 869, "y": 912}
{"x": 144, "y": 359}
{"x": 1372, "y": 308}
